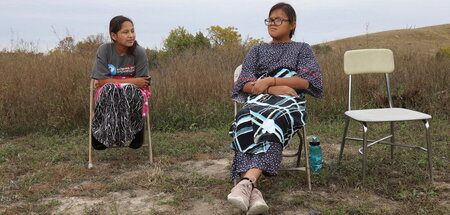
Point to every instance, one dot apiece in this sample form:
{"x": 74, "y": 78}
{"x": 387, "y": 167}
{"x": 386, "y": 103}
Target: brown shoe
{"x": 257, "y": 203}
{"x": 240, "y": 195}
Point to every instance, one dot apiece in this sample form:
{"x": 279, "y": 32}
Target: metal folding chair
{"x": 91, "y": 116}
{"x": 366, "y": 61}
{"x": 302, "y": 136}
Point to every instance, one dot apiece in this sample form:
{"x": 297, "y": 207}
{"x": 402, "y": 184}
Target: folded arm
{"x": 276, "y": 86}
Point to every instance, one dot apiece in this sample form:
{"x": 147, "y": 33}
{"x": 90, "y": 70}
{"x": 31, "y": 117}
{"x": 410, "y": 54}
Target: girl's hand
{"x": 282, "y": 90}
{"x": 248, "y": 87}
{"x": 261, "y": 85}
{"x": 141, "y": 82}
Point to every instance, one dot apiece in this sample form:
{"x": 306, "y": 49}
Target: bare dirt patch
{"x": 144, "y": 201}
{"x": 126, "y": 202}
{"x": 211, "y": 168}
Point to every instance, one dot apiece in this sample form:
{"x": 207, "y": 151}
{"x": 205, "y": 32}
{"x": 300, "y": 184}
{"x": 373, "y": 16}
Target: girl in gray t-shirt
{"x": 121, "y": 71}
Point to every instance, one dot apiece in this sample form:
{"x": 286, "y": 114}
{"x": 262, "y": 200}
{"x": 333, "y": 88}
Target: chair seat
{"x": 386, "y": 115}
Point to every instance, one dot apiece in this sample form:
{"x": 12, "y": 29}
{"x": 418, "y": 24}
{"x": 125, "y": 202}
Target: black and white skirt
{"x": 117, "y": 114}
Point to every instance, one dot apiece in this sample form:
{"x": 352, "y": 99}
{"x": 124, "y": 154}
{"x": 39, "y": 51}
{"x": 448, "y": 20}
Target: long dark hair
{"x": 114, "y": 26}
{"x": 289, "y": 11}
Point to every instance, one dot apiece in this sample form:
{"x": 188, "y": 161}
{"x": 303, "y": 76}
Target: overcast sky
{"x": 45, "y": 22}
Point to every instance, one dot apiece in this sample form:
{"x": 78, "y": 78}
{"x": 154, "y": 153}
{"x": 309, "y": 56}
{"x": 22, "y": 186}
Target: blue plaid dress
{"x": 266, "y": 123}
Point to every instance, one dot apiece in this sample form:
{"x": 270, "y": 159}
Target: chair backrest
{"x": 237, "y": 72}
{"x": 365, "y": 61}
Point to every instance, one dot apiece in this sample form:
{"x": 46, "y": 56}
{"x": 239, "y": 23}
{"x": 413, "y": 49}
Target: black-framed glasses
{"x": 276, "y": 22}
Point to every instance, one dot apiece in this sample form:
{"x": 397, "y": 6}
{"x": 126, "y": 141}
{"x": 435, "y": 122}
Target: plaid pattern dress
{"x": 267, "y": 119}
{"x": 266, "y": 123}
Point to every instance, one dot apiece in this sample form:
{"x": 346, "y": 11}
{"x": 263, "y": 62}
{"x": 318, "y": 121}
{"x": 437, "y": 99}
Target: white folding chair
{"x": 301, "y": 135}
{"x": 366, "y": 61}
{"x": 91, "y": 116}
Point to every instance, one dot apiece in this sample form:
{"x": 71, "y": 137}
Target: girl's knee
{"x": 131, "y": 87}
{"x": 131, "y": 91}
{"x": 106, "y": 90}
{"x": 109, "y": 86}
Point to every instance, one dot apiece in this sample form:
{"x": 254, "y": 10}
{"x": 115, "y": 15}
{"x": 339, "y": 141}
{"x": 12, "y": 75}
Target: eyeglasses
{"x": 276, "y": 22}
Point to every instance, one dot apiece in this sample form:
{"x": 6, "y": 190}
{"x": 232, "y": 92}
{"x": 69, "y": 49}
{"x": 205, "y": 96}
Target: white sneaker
{"x": 240, "y": 195}
{"x": 257, "y": 203}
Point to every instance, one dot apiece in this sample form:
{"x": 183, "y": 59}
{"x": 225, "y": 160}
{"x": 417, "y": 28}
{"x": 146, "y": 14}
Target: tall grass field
{"x": 192, "y": 89}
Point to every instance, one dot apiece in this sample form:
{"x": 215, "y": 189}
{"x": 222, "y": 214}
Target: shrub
{"x": 443, "y": 53}
{"x": 321, "y": 49}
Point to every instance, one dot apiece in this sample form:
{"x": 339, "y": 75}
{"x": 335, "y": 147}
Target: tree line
{"x": 178, "y": 40}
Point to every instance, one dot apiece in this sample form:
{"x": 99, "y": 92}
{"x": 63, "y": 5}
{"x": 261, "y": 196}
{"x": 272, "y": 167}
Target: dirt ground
{"x": 151, "y": 201}
{"x": 147, "y": 201}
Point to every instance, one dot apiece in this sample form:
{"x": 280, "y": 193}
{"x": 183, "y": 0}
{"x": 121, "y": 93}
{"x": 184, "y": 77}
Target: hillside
{"x": 429, "y": 39}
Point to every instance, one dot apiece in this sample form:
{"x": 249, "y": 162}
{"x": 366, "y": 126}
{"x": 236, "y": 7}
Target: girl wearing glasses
{"x": 275, "y": 76}
{"x": 121, "y": 71}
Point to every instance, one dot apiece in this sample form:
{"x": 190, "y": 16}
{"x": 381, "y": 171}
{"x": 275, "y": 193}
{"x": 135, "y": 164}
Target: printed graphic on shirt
{"x": 112, "y": 69}
{"x": 122, "y": 71}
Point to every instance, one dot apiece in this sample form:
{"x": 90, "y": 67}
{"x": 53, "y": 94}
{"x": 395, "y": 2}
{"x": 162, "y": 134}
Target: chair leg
{"x": 428, "y": 140}
{"x": 364, "y": 155}
{"x": 299, "y": 152}
{"x": 341, "y": 152}
{"x": 305, "y": 148}
{"x": 392, "y": 139}
{"x": 90, "y": 165}
{"x": 150, "y": 151}
{"x": 91, "y": 113}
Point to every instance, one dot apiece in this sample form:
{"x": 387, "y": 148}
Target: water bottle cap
{"x": 314, "y": 141}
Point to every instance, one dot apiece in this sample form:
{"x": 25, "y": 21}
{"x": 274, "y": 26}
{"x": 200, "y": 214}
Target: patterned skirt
{"x": 262, "y": 128}
{"x": 267, "y": 119}
{"x": 118, "y": 114}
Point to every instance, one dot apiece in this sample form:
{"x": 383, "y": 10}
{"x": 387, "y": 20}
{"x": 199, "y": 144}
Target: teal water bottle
{"x": 315, "y": 155}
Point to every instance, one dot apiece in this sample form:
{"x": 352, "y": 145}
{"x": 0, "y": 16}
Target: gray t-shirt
{"x": 109, "y": 63}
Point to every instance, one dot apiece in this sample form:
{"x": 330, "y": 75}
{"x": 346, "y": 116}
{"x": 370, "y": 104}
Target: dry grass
{"x": 192, "y": 89}
{"x": 425, "y": 40}
{"x": 419, "y": 82}
{"x": 43, "y": 92}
